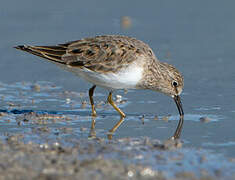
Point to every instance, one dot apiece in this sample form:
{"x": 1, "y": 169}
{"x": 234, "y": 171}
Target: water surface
{"x": 195, "y": 36}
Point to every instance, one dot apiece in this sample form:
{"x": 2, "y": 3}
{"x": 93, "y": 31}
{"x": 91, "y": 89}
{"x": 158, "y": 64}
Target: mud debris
{"x": 39, "y": 118}
{"x": 2, "y": 114}
{"x": 54, "y": 145}
{"x": 142, "y": 118}
{"x": 36, "y": 87}
{"x": 84, "y": 104}
{"x": 89, "y": 159}
{"x": 155, "y": 118}
{"x": 166, "y": 118}
{"x": 205, "y": 119}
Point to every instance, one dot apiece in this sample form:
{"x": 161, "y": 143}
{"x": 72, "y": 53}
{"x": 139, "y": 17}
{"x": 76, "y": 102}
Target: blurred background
{"x": 195, "y": 36}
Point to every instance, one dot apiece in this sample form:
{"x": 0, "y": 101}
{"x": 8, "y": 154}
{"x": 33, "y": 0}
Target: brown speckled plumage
{"x": 160, "y": 76}
{"x": 114, "y": 62}
{"x": 100, "y": 54}
{"x": 111, "y": 53}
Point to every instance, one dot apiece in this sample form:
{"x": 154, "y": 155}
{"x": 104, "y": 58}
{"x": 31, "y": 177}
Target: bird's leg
{"x": 122, "y": 116}
{"x": 110, "y": 100}
{"x": 91, "y": 92}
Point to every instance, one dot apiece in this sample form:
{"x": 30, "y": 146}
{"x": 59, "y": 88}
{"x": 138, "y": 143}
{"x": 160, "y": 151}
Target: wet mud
{"x": 56, "y": 144}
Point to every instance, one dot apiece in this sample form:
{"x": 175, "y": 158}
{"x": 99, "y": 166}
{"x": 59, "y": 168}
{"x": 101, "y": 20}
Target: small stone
{"x": 57, "y": 144}
{"x": 36, "y": 87}
{"x": 83, "y": 129}
{"x": 155, "y": 118}
{"x": 165, "y": 118}
{"x": 142, "y": 119}
{"x": 84, "y": 104}
{"x": 43, "y": 129}
{"x": 65, "y": 93}
{"x": 205, "y": 119}
{"x": 130, "y": 173}
{"x": 44, "y": 146}
{"x": 125, "y": 91}
{"x": 118, "y": 98}
{"x": 147, "y": 172}
{"x": 19, "y": 123}
{"x": 68, "y": 100}
{"x": 172, "y": 144}
{"x": 123, "y": 101}
{"x": 25, "y": 120}
{"x": 81, "y": 94}
{"x": 11, "y": 104}
{"x": 3, "y": 114}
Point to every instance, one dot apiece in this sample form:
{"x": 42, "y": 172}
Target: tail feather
{"x": 53, "y": 53}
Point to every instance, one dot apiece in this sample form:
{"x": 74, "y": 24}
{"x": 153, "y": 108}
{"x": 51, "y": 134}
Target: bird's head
{"x": 171, "y": 83}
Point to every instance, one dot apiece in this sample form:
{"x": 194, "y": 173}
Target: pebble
{"x": 44, "y": 146}
{"x": 3, "y": 114}
{"x": 36, "y": 87}
{"x": 155, "y": 118}
{"x": 147, "y": 172}
{"x": 68, "y": 100}
{"x": 130, "y": 173}
{"x": 83, "y": 129}
{"x": 205, "y": 119}
{"x": 118, "y": 98}
{"x": 142, "y": 119}
{"x": 84, "y": 104}
{"x": 166, "y": 118}
{"x": 11, "y": 104}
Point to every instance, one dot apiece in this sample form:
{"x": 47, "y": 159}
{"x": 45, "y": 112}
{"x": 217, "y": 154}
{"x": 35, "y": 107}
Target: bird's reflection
{"x": 179, "y": 128}
{"x": 92, "y": 133}
{"x": 112, "y": 131}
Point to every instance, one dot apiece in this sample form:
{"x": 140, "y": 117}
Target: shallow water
{"x": 195, "y": 36}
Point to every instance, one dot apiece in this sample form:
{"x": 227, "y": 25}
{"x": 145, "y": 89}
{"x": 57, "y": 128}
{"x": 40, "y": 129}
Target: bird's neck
{"x": 151, "y": 76}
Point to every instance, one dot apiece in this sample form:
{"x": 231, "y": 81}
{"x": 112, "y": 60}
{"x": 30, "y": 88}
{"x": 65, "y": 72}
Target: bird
{"x": 114, "y": 62}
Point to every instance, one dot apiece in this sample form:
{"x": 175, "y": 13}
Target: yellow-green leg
{"x": 111, "y": 131}
{"x": 91, "y": 92}
{"x": 110, "y": 100}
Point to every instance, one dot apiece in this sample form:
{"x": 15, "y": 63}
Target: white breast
{"x": 124, "y": 79}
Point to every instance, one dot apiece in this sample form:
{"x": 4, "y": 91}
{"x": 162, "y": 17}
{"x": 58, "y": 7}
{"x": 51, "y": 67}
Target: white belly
{"x": 124, "y": 79}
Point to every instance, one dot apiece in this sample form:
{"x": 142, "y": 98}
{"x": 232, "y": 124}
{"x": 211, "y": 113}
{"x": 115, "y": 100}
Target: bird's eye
{"x": 175, "y": 83}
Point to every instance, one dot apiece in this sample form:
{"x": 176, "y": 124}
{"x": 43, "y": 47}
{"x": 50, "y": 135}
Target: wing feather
{"x": 100, "y": 54}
